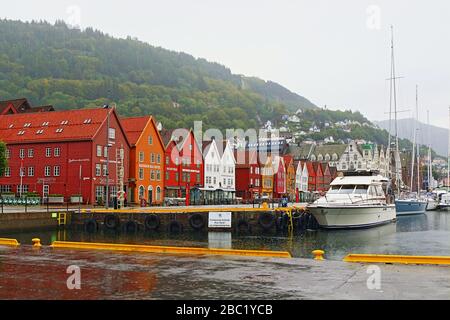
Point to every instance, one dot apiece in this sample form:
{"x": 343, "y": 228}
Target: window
{"x": 40, "y": 131}
{"x": 7, "y": 172}
{"x": 57, "y": 152}
{"x": 167, "y": 175}
{"x": 31, "y": 171}
{"x": 214, "y": 180}
{"x": 176, "y": 161}
{"x": 21, "y": 133}
{"x": 30, "y": 153}
{"x": 158, "y": 193}
{"x": 22, "y": 172}
{"x": 5, "y": 188}
{"x": 98, "y": 169}
{"x": 45, "y": 124}
{"x": 105, "y": 170}
{"x": 8, "y": 154}
{"x": 99, "y": 150}
{"x": 22, "y": 153}
{"x": 112, "y": 133}
{"x": 27, "y": 125}
{"x": 251, "y": 170}
{"x": 59, "y": 130}
{"x": 24, "y": 189}
{"x": 150, "y": 140}
{"x": 141, "y": 156}
{"x": 176, "y": 176}
{"x": 56, "y": 171}
{"x": 98, "y": 193}
{"x": 64, "y": 122}
{"x": 167, "y": 159}
{"x": 152, "y": 157}
{"x": 141, "y": 173}
{"x": 158, "y": 158}
{"x": 87, "y": 121}
{"x": 48, "y": 152}
{"x": 105, "y": 151}
{"x": 198, "y": 178}
{"x": 47, "y": 171}
{"x": 188, "y": 176}
{"x": 152, "y": 175}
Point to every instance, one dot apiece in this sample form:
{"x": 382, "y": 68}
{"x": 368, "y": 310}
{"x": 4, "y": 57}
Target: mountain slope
{"x": 438, "y": 136}
{"x": 53, "y": 64}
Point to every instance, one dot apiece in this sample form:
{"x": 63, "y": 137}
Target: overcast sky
{"x": 335, "y": 53}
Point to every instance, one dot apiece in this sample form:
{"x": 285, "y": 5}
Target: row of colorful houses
{"x": 96, "y": 155}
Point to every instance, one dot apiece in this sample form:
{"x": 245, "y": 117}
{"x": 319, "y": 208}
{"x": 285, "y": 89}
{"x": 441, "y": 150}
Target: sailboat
{"x": 444, "y": 203}
{"x": 411, "y": 203}
{"x": 432, "y": 201}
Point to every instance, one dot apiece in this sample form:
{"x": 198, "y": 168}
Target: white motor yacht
{"x": 355, "y": 200}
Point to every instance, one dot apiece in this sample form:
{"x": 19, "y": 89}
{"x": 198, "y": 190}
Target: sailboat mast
{"x": 429, "y": 151}
{"x": 417, "y": 141}
{"x": 394, "y": 96}
{"x": 413, "y": 153}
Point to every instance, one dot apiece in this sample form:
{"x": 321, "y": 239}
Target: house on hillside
{"x": 21, "y": 106}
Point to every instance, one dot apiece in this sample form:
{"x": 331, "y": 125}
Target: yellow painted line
{"x": 9, "y": 242}
{"x": 185, "y": 210}
{"x": 387, "y": 258}
{"x": 163, "y": 249}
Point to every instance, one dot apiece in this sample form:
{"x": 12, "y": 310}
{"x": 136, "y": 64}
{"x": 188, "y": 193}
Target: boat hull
{"x": 432, "y": 205}
{"x": 350, "y": 217}
{"x": 408, "y": 207}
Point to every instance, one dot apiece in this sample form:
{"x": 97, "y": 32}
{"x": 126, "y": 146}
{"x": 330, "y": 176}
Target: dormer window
{"x": 64, "y": 122}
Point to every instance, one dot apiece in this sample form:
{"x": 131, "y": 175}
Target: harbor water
{"x": 426, "y": 234}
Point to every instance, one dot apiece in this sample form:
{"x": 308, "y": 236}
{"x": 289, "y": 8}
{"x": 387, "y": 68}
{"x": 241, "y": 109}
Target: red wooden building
{"x": 248, "y": 174}
{"x": 63, "y": 153}
{"x": 312, "y": 175}
{"x": 319, "y": 178}
{"x": 183, "y": 165}
{"x": 325, "y": 168}
{"x": 279, "y": 181}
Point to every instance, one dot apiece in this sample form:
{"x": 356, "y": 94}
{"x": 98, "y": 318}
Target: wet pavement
{"x": 26, "y": 273}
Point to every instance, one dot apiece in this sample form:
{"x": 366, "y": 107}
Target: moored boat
{"x": 356, "y": 200}
{"x": 410, "y": 206}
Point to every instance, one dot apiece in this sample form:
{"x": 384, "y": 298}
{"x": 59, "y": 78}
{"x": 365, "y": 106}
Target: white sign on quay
{"x": 219, "y": 220}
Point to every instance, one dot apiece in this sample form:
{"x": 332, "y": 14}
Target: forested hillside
{"x": 69, "y": 68}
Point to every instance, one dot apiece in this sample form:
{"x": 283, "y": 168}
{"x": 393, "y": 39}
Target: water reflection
{"x": 422, "y": 234}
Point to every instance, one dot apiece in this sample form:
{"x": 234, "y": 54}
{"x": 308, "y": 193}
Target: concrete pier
{"x": 41, "y": 274}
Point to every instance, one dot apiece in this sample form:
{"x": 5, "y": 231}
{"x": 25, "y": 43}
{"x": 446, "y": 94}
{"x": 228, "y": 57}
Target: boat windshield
{"x": 361, "y": 189}
{"x": 344, "y": 189}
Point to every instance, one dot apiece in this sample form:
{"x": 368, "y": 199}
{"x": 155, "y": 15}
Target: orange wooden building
{"x": 146, "y": 160}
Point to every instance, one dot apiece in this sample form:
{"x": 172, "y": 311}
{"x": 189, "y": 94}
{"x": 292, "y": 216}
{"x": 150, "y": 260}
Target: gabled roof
{"x": 245, "y": 158}
{"x": 16, "y": 104}
{"x": 324, "y": 166}
{"x": 134, "y": 127}
{"x": 288, "y": 159}
{"x": 69, "y": 125}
